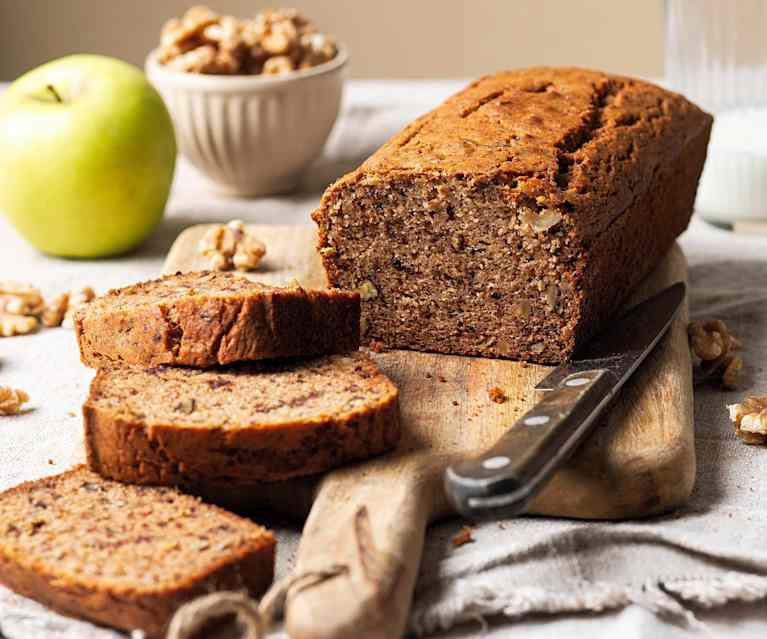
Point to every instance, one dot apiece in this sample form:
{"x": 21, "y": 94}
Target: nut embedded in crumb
{"x": 11, "y": 324}
{"x": 463, "y": 537}
{"x": 11, "y": 400}
{"x": 713, "y": 345}
{"x": 367, "y": 291}
{"x": 77, "y": 299}
{"x": 294, "y": 283}
{"x": 497, "y": 395}
{"x": 750, "y": 419}
{"x": 540, "y": 221}
{"x": 231, "y": 246}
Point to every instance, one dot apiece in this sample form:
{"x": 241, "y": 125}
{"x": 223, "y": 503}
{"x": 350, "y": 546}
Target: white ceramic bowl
{"x": 252, "y": 135}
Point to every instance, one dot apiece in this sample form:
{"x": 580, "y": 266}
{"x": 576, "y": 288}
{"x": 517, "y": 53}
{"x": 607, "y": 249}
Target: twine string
{"x": 255, "y": 617}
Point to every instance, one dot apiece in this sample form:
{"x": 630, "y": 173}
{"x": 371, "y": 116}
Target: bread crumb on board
{"x": 376, "y": 346}
{"x": 497, "y": 395}
{"x": 464, "y": 536}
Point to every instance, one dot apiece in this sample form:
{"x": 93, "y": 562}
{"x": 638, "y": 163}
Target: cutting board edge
{"x": 676, "y": 462}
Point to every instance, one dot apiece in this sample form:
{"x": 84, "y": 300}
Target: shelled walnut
{"x": 54, "y": 311}
{"x": 714, "y": 346}
{"x": 231, "y": 246}
{"x": 11, "y": 324}
{"x": 750, "y": 419}
{"x": 275, "y": 41}
{"x": 20, "y": 299}
{"x": 77, "y": 299}
{"x": 11, "y": 400}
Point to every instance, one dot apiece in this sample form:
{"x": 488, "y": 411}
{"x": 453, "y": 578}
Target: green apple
{"x": 87, "y": 153}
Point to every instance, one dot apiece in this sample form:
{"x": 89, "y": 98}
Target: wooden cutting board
{"x": 372, "y": 516}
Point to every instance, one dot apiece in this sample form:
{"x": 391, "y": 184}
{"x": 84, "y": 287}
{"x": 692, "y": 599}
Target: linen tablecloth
{"x": 644, "y": 578}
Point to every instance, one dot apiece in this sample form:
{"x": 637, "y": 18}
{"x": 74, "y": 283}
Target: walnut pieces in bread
{"x": 124, "y": 556}
{"x": 274, "y": 42}
{"x": 210, "y": 318}
{"x": 750, "y": 419}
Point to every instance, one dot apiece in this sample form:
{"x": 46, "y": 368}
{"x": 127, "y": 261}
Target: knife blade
{"x": 502, "y": 481}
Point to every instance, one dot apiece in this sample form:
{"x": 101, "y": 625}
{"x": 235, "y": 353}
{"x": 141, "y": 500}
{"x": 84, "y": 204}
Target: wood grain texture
{"x": 372, "y": 516}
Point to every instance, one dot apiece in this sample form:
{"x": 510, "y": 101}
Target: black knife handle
{"x": 505, "y": 478}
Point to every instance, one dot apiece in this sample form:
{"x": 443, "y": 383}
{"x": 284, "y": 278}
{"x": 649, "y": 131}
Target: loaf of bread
{"x": 213, "y": 318}
{"x": 124, "y": 556}
{"x": 512, "y": 220}
{"x": 257, "y": 422}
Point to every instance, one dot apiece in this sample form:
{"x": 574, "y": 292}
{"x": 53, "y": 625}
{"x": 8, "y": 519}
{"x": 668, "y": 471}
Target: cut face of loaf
{"x": 124, "y": 556}
{"x": 265, "y": 421}
{"x": 211, "y": 318}
{"x": 514, "y": 219}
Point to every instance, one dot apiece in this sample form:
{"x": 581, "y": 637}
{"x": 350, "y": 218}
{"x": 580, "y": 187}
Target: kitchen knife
{"x": 501, "y": 482}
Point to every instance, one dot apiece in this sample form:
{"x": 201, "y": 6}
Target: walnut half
{"x": 11, "y": 400}
{"x": 231, "y": 246}
{"x": 713, "y": 344}
{"x": 11, "y": 324}
{"x": 750, "y": 419}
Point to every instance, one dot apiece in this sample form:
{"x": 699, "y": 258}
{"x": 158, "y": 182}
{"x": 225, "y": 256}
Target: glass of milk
{"x": 716, "y": 55}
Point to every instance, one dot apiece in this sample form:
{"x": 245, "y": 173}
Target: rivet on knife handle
{"x": 504, "y": 479}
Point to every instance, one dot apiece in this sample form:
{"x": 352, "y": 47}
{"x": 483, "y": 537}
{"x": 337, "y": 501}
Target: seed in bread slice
{"x": 261, "y": 421}
{"x": 124, "y": 556}
{"x": 211, "y": 318}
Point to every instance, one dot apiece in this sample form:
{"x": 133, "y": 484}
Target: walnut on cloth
{"x": 17, "y": 298}
{"x": 750, "y": 419}
{"x": 715, "y": 347}
{"x": 231, "y": 246}
{"x": 22, "y": 308}
{"x": 11, "y": 400}
{"x": 11, "y": 324}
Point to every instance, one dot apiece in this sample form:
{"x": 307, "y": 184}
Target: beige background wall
{"x": 387, "y": 38}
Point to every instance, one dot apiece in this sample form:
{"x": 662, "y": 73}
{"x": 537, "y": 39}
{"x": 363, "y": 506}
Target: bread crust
{"x": 447, "y": 203}
{"x": 129, "y": 608}
{"x": 208, "y": 329}
{"x": 129, "y": 449}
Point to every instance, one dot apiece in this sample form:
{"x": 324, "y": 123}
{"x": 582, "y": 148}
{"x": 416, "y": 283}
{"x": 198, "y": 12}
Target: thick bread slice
{"x": 263, "y": 421}
{"x": 210, "y": 318}
{"x": 124, "y": 556}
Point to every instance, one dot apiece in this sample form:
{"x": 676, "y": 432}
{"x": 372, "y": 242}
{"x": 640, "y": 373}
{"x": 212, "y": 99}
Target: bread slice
{"x": 263, "y": 421}
{"x": 124, "y": 556}
{"x": 211, "y": 318}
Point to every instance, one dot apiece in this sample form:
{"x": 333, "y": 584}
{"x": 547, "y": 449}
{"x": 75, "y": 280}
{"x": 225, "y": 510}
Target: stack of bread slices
{"x": 203, "y": 379}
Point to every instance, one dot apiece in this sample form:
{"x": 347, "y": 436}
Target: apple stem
{"x": 53, "y": 92}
